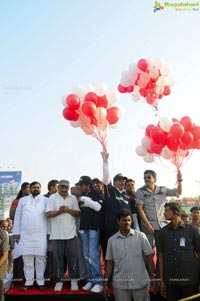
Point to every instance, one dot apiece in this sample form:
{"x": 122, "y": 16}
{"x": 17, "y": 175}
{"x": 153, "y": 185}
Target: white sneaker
{"x": 58, "y": 287}
{"x": 87, "y": 286}
{"x": 74, "y": 285}
{"x": 97, "y": 288}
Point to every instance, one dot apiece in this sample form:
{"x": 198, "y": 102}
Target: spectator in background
{"x": 4, "y": 248}
{"x": 24, "y": 191}
{"x": 52, "y": 188}
{"x": 130, "y": 190}
{"x": 5, "y": 226}
{"x": 30, "y": 234}
{"x": 185, "y": 217}
{"x": 195, "y": 215}
{"x": 11, "y": 246}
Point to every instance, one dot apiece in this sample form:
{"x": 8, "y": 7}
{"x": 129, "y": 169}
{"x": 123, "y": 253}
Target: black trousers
{"x": 175, "y": 292}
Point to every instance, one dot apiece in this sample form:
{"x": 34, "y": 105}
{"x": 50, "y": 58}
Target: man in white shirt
{"x": 62, "y": 208}
{"x": 30, "y": 235}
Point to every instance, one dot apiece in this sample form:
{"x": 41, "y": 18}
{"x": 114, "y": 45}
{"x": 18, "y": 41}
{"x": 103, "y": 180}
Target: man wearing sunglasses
{"x": 150, "y": 200}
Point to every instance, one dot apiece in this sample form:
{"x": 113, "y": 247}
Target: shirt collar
{"x": 131, "y": 232}
{"x": 182, "y": 225}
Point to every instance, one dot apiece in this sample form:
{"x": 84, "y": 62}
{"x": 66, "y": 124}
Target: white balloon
{"x": 165, "y": 70}
{"x": 150, "y": 63}
{"x": 162, "y": 81}
{"x": 79, "y": 90}
{"x": 100, "y": 89}
{"x": 133, "y": 71}
{"x": 75, "y": 124}
{"x": 149, "y": 158}
{"x": 89, "y": 88}
{"x": 140, "y": 150}
{"x": 112, "y": 95}
{"x": 171, "y": 81}
{"x": 63, "y": 100}
{"x": 146, "y": 141}
{"x": 165, "y": 123}
{"x": 126, "y": 79}
{"x": 159, "y": 62}
{"x": 153, "y": 72}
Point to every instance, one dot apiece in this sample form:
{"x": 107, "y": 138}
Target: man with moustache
{"x": 30, "y": 234}
{"x": 62, "y": 208}
{"x": 125, "y": 262}
{"x": 150, "y": 200}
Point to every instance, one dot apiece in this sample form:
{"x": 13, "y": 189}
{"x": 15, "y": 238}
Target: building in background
{"x": 10, "y": 182}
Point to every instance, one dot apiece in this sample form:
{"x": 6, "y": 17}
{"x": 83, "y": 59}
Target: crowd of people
{"x": 69, "y": 233}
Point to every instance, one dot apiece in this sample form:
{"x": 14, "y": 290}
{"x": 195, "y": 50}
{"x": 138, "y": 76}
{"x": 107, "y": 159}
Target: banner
{"x": 10, "y": 183}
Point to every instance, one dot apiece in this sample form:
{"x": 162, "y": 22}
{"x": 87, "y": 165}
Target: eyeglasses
{"x": 147, "y": 177}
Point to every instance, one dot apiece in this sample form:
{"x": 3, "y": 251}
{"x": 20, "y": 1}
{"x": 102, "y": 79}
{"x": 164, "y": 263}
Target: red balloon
{"x": 173, "y": 144}
{"x": 70, "y": 114}
{"x": 148, "y": 130}
{"x": 73, "y": 101}
{"x": 196, "y": 144}
{"x": 186, "y": 122}
{"x": 195, "y": 132}
{"x": 113, "y": 115}
{"x": 91, "y": 96}
{"x": 102, "y": 101}
{"x": 130, "y": 89}
{"x": 156, "y": 147}
{"x": 122, "y": 89}
{"x": 157, "y": 134}
{"x": 167, "y": 90}
{"x": 176, "y": 130}
{"x": 187, "y": 138}
{"x": 150, "y": 99}
{"x": 142, "y": 64}
{"x": 89, "y": 109}
{"x": 143, "y": 92}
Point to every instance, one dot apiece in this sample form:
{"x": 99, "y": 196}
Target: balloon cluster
{"x": 149, "y": 79}
{"x": 171, "y": 139}
{"x": 92, "y": 109}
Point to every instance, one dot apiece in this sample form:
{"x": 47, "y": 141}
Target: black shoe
{"x": 42, "y": 287}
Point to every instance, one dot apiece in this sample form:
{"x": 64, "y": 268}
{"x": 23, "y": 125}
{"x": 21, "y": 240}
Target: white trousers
{"x": 37, "y": 264}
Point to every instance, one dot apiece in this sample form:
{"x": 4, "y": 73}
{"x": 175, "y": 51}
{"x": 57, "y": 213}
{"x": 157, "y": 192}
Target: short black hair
{"x": 52, "y": 183}
{"x": 152, "y": 172}
{"x": 124, "y": 213}
{"x": 34, "y": 183}
{"x": 174, "y": 207}
{"x": 129, "y": 180}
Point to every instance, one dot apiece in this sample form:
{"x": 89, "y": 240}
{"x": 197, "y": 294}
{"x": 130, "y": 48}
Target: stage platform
{"x": 34, "y": 294}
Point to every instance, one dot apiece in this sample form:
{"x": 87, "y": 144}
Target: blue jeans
{"x": 90, "y": 244}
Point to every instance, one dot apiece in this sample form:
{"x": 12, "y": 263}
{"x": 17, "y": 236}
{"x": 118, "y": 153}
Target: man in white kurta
{"x": 30, "y": 234}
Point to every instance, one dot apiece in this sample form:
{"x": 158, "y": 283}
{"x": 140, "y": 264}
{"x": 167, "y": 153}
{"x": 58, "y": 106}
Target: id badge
{"x": 182, "y": 242}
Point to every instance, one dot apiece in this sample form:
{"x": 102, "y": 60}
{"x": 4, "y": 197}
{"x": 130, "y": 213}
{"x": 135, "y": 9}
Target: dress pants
{"x": 34, "y": 265}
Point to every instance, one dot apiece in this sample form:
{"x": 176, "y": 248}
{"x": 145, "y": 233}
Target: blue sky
{"x": 48, "y": 47}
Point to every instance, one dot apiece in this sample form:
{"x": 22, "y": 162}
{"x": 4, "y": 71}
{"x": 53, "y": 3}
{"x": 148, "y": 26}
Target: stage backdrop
{"x": 10, "y": 182}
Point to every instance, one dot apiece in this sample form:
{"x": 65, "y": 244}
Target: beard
{"x": 35, "y": 192}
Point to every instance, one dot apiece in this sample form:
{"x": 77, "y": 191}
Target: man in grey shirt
{"x": 150, "y": 200}
{"x": 124, "y": 256}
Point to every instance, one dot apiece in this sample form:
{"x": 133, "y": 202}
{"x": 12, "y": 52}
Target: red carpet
{"x": 33, "y": 294}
